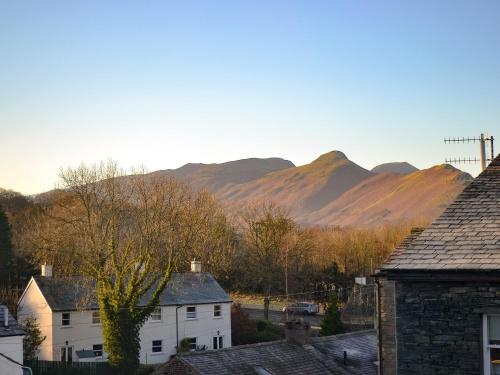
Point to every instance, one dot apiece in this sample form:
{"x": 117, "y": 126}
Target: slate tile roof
{"x": 13, "y": 329}
{"x": 76, "y": 292}
{"x": 465, "y": 237}
{"x": 323, "y": 355}
{"x": 360, "y": 348}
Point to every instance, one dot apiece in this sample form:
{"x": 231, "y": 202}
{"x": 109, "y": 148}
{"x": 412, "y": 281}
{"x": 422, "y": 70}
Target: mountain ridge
{"x": 330, "y": 190}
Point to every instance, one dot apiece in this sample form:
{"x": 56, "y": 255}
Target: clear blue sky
{"x": 169, "y": 82}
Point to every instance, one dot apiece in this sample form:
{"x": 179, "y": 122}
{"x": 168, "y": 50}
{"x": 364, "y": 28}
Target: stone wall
{"x": 439, "y": 326}
{"x": 387, "y": 327}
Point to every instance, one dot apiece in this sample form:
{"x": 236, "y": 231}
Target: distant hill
{"x": 396, "y": 167}
{"x": 215, "y": 176}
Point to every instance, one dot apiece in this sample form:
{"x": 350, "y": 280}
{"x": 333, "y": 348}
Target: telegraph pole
{"x": 483, "y": 159}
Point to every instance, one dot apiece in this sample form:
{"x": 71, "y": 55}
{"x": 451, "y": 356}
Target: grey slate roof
{"x": 361, "y": 352}
{"x": 323, "y": 355}
{"x": 73, "y": 293}
{"x": 13, "y": 329}
{"x": 465, "y": 237}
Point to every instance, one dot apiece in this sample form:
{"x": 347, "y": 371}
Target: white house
{"x": 193, "y": 307}
{"x": 11, "y": 344}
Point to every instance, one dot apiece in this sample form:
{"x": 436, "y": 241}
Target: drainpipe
{"x": 379, "y": 321}
{"x": 177, "y": 328}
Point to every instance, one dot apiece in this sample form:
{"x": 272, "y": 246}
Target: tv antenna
{"x": 482, "y": 150}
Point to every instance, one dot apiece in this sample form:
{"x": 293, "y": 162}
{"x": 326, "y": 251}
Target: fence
{"x": 67, "y": 368}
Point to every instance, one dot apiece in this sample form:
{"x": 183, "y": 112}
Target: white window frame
{"x": 68, "y": 319}
{"x": 98, "y": 350}
{"x": 487, "y": 346}
{"x": 156, "y": 314}
{"x": 96, "y": 318}
{"x": 67, "y": 356}
{"x": 219, "y": 342}
{"x": 195, "y": 343}
{"x": 153, "y": 346}
{"x": 190, "y": 315}
{"x": 217, "y": 311}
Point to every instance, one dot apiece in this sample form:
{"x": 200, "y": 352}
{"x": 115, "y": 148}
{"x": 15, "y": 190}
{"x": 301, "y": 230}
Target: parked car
{"x": 305, "y": 308}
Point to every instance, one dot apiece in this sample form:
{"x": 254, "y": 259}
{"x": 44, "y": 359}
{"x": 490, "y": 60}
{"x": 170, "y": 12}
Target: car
{"x": 305, "y": 308}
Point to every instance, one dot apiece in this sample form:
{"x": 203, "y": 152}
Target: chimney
{"x": 6, "y": 316}
{"x": 195, "y": 266}
{"x": 46, "y": 270}
{"x": 297, "y": 331}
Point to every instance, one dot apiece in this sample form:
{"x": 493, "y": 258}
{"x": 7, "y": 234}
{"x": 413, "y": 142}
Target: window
{"x": 66, "y": 319}
{"x": 217, "y": 311}
{"x": 156, "y": 314}
{"x": 67, "y": 354}
{"x": 491, "y": 344}
{"x": 97, "y": 348}
{"x": 156, "y": 346}
{"x": 192, "y": 342}
{"x": 218, "y": 342}
{"x": 191, "y": 312}
{"x": 96, "y": 318}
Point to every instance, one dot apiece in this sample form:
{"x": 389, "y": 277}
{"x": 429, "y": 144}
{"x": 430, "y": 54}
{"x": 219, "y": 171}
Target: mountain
{"x": 302, "y": 189}
{"x": 396, "y": 167}
{"x": 331, "y": 190}
{"x": 386, "y": 198}
{"x": 214, "y": 176}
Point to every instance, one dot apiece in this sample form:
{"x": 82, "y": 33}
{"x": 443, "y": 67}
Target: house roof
{"x": 13, "y": 329}
{"x": 320, "y": 356}
{"x": 76, "y": 292}
{"x": 465, "y": 237}
{"x": 361, "y": 349}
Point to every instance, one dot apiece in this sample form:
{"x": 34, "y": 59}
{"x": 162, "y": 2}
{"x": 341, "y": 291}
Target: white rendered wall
{"x": 33, "y": 304}
{"x": 12, "y": 347}
{"x": 204, "y": 328}
{"x": 9, "y": 368}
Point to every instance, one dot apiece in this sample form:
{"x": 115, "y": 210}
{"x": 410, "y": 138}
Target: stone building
{"x": 439, "y": 292}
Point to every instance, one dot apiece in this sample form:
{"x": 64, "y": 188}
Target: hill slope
{"x": 386, "y": 198}
{"x": 215, "y": 176}
{"x": 302, "y": 189}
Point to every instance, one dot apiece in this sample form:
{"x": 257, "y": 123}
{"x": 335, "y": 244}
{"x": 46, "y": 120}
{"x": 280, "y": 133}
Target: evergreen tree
{"x": 33, "y": 339}
{"x": 6, "y": 252}
{"x": 332, "y": 324}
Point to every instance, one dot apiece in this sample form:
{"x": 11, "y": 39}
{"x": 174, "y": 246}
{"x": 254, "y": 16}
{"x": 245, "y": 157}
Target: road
{"x": 277, "y": 316}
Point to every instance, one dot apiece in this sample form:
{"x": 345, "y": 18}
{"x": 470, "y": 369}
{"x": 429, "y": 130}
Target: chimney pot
{"x": 195, "y": 266}
{"x": 46, "y": 270}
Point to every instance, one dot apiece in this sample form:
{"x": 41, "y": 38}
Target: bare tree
{"x": 126, "y": 234}
{"x": 266, "y": 233}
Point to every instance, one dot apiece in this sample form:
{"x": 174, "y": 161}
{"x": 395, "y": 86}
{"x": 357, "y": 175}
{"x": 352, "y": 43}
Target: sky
{"x": 164, "y": 83}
